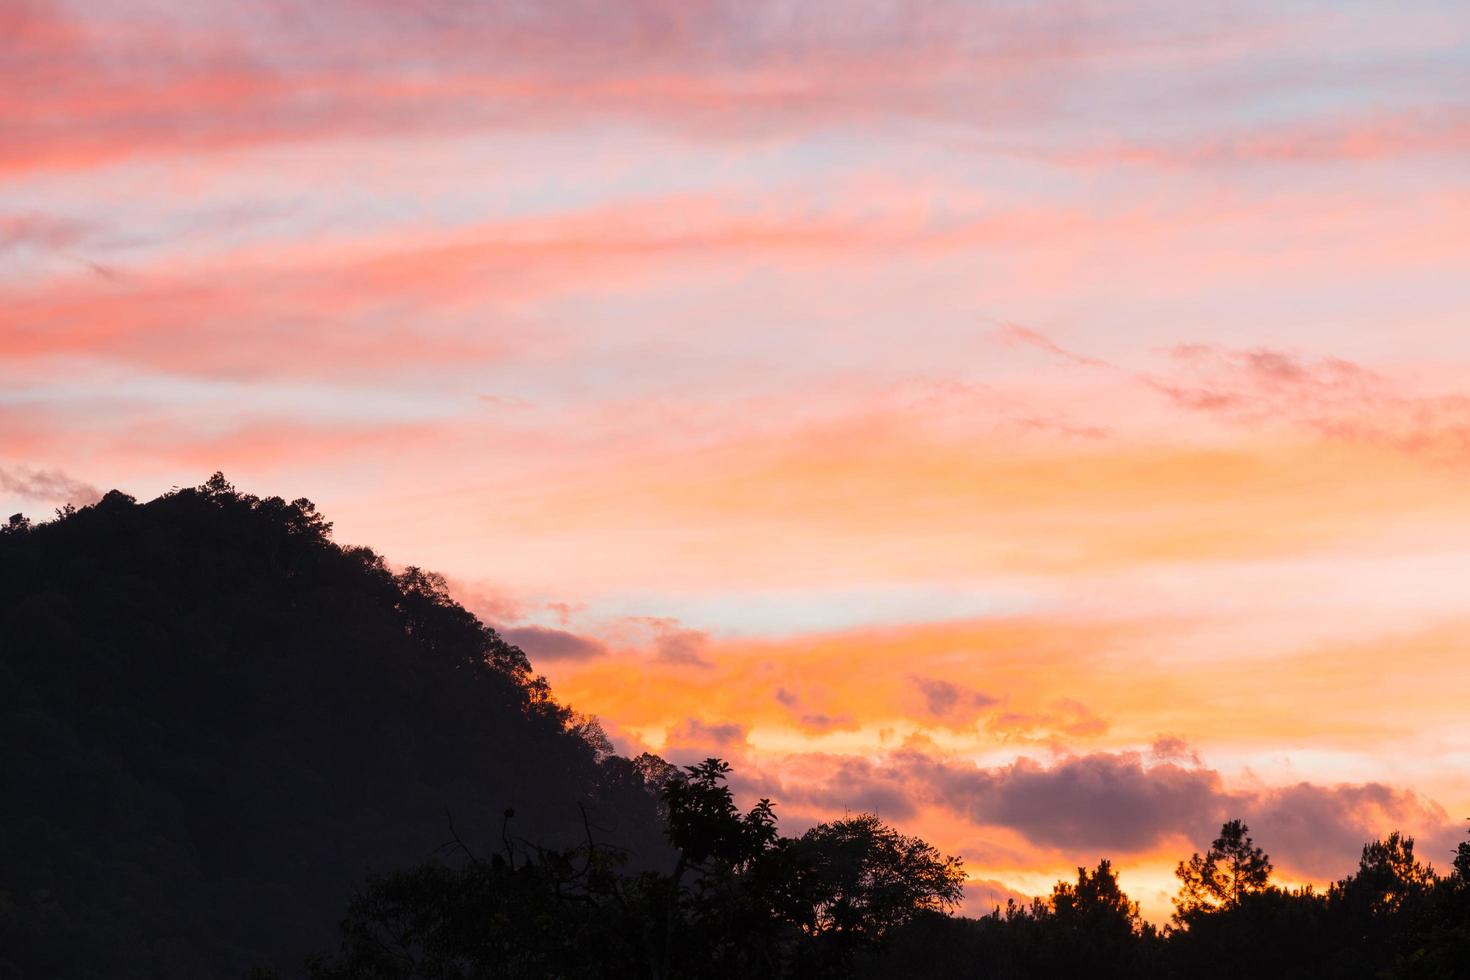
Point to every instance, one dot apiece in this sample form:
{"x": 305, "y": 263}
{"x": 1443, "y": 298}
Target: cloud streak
{"x": 46, "y": 486}
{"x": 206, "y": 77}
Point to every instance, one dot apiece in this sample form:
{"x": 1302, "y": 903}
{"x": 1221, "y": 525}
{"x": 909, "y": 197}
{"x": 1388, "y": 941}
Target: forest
{"x": 233, "y": 747}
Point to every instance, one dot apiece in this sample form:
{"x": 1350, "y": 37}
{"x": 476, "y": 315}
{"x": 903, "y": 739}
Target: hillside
{"x": 217, "y": 721}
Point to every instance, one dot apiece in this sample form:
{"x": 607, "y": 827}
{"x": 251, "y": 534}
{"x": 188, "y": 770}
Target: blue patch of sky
{"x": 795, "y": 612}
{"x": 314, "y": 399}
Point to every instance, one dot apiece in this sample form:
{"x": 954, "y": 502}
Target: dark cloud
{"x": 1110, "y": 804}
{"x": 47, "y": 486}
{"x": 692, "y": 740}
{"x": 1102, "y": 802}
{"x": 850, "y": 783}
{"x": 1172, "y": 748}
{"x": 1321, "y": 829}
{"x": 944, "y": 698}
{"x": 681, "y": 648}
{"x": 544, "y": 643}
{"x": 671, "y": 641}
{"x": 810, "y": 718}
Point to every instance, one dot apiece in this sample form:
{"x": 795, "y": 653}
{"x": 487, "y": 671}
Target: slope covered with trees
{"x": 216, "y": 723}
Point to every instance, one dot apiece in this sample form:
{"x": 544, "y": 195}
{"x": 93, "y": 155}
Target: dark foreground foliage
{"x": 741, "y": 901}
{"x": 856, "y": 899}
{"x": 1394, "y": 919}
{"x": 216, "y": 722}
{"x": 220, "y": 730}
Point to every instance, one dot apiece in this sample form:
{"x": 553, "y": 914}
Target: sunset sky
{"x": 1044, "y": 424}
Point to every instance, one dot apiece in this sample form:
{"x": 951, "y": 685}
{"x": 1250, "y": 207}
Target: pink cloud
{"x": 1377, "y": 136}
{"x": 217, "y": 78}
{"x": 96, "y": 85}
{"x": 385, "y": 302}
{"x": 46, "y": 485}
{"x": 1332, "y": 397}
{"x": 692, "y": 740}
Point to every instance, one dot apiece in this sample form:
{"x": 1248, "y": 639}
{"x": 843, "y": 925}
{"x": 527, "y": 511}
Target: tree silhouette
{"x": 1391, "y": 896}
{"x": 1092, "y": 927}
{"x": 861, "y": 878}
{"x": 1230, "y": 870}
{"x": 742, "y": 901}
{"x": 1388, "y": 876}
{"x": 1095, "y": 903}
{"x": 707, "y": 827}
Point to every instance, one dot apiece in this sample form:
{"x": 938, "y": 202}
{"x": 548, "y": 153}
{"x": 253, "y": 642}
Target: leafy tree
{"x": 1233, "y": 868}
{"x": 858, "y": 878}
{"x": 705, "y": 825}
{"x": 847, "y": 885}
{"x": 718, "y": 919}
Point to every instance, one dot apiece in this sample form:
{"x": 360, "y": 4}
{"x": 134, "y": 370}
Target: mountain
{"x": 216, "y": 722}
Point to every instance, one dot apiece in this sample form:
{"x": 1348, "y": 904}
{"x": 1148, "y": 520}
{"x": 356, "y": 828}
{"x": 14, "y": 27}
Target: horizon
{"x": 1043, "y": 425}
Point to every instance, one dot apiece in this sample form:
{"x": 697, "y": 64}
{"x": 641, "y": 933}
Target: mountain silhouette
{"x": 217, "y": 722}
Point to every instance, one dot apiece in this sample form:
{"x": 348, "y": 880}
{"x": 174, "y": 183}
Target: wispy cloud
{"x": 46, "y": 486}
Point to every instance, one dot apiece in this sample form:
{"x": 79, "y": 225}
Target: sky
{"x": 1045, "y": 424}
